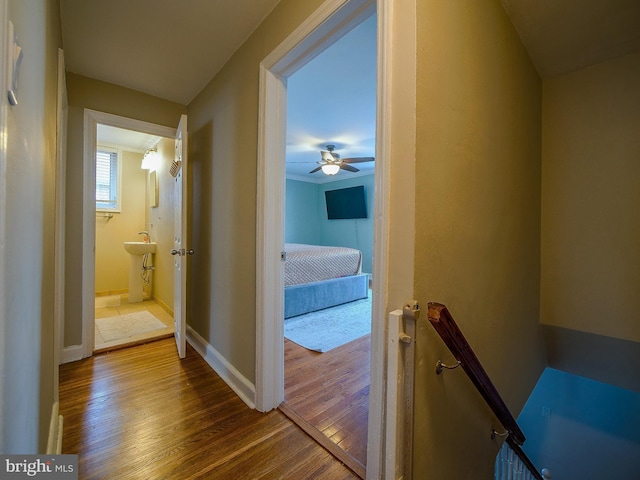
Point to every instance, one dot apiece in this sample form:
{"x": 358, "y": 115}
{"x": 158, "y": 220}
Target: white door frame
{"x": 332, "y": 19}
{"x": 3, "y": 210}
{"x": 60, "y": 219}
{"x": 91, "y": 120}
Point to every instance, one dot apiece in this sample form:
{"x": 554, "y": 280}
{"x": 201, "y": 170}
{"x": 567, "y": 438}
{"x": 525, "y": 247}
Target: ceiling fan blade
{"x": 316, "y": 169}
{"x": 349, "y": 168}
{"x": 358, "y": 159}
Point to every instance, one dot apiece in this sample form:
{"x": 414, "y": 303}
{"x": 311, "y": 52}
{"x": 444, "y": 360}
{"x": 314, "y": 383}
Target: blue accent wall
{"x": 581, "y": 428}
{"x": 306, "y": 218}
{"x": 302, "y": 222}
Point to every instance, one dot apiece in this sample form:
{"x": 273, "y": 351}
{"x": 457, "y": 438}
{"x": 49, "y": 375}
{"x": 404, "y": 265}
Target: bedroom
{"x": 332, "y": 101}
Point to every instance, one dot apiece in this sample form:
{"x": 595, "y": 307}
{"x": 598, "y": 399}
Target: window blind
{"x": 106, "y": 179}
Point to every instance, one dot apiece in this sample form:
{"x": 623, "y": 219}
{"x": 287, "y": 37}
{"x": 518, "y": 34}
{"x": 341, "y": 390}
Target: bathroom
{"x": 142, "y": 201}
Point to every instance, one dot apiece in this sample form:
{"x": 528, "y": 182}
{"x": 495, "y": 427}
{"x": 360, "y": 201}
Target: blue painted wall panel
{"x": 306, "y": 218}
{"x": 582, "y": 429}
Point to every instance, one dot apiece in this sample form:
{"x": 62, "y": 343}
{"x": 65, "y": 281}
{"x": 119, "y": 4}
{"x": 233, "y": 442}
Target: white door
{"x": 180, "y": 247}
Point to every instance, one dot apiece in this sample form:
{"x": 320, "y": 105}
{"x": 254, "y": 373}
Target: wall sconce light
{"x": 330, "y": 168}
{"x": 150, "y": 160}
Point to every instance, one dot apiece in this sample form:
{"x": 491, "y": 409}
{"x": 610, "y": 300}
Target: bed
{"x": 317, "y": 277}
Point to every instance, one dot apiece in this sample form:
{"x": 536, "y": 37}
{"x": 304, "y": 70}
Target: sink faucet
{"x": 146, "y": 238}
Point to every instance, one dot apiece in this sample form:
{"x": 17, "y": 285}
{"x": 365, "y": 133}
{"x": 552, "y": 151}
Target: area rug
{"x": 326, "y": 329}
{"x": 125, "y": 326}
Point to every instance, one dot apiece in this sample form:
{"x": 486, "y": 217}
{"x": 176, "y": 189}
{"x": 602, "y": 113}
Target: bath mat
{"x": 108, "y": 301}
{"x": 326, "y": 329}
{"x": 125, "y": 326}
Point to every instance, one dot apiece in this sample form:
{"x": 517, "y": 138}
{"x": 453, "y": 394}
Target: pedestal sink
{"x": 137, "y": 250}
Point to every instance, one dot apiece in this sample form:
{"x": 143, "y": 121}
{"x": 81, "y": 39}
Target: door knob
{"x": 182, "y": 252}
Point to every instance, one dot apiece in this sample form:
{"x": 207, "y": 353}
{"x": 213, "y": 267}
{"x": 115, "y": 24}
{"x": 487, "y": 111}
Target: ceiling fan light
{"x": 330, "y": 169}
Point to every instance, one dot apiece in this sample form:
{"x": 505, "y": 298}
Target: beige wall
{"x": 591, "y": 200}
{"x": 477, "y": 226}
{"x": 84, "y": 93}
{"x": 223, "y": 130}
{"x": 478, "y": 175}
{"x": 27, "y": 378}
{"x": 160, "y": 225}
{"x": 112, "y": 261}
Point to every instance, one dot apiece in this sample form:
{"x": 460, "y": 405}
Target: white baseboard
{"x": 54, "y": 442}
{"x": 231, "y": 376}
{"x": 72, "y": 354}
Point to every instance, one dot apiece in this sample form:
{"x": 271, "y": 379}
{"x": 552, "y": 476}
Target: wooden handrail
{"x": 448, "y": 330}
{"x": 445, "y": 325}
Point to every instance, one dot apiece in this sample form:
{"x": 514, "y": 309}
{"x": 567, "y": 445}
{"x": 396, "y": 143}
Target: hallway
{"x": 142, "y": 413}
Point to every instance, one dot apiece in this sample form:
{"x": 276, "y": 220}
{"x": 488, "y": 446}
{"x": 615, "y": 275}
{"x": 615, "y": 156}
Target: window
{"x": 107, "y": 179}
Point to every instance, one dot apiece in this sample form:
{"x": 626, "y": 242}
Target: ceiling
{"x": 566, "y": 35}
{"x": 172, "y": 50}
{"x": 332, "y": 100}
{"x": 131, "y": 140}
{"x": 166, "y": 48}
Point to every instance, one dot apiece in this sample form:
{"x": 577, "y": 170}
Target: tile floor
{"x": 123, "y": 308}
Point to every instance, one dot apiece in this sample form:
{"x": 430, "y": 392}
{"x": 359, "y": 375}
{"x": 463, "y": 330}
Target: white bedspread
{"x": 313, "y": 263}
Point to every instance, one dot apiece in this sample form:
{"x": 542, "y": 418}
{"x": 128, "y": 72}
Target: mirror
{"x": 153, "y": 189}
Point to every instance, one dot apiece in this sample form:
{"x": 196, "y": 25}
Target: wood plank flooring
{"x": 331, "y": 391}
{"x": 142, "y": 413}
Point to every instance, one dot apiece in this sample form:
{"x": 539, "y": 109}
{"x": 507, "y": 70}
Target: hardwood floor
{"x": 331, "y": 392}
{"x": 142, "y": 413}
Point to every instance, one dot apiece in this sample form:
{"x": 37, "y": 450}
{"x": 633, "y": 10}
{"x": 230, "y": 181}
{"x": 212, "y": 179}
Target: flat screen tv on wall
{"x": 346, "y": 203}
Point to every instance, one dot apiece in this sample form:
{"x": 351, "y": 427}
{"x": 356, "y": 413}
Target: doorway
{"x": 332, "y": 20}
{"x": 92, "y": 120}
{"x": 133, "y": 204}
{"x": 331, "y": 100}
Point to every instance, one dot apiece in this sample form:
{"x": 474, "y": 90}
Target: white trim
{"x": 231, "y": 376}
{"x": 311, "y": 37}
{"x": 60, "y": 219}
{"x": 3, "y": 204}
{"x": 89, "y": 234}
{"x": 395, "y": 142}
{"x": 72, "y": 353}
{"x": 333, "y": 18}
{"x": 395, "y": 145}
{"x": 393, "y": 449}
{"x": 270, "y": 242}
{"x": 330, "y": 21}
{"x": 378, "y": 435}
{"x": 91, "y": 120}
{"x": 54, "y": 442}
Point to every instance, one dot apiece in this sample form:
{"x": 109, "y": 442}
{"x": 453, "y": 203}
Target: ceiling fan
{"x": 331, "y": 163}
